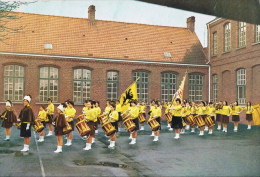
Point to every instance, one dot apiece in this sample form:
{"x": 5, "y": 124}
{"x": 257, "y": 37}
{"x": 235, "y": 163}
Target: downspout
{"x": 209, "y": 42}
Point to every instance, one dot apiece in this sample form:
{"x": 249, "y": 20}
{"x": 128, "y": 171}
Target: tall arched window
{"x": 49, "y": 82}
{"x": 215, "y": 87}
{"x": 241, "y": 86}
{"x": 168, "y": 86}
{"x": 142, "y": 85}
{"x": 13, "y": 82}
{"x": 215, "y": 44}
{"x": 257, "y": 33}
{"x": 112, "y": 85}
{"x": 81, "y": 85}
{"x": 195, "y": 87}
{"x": 241, "y": 34}
{"x": 227, "y": 37}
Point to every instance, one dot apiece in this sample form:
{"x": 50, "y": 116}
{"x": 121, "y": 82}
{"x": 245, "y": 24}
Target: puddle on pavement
{"x": 105, "y": 164}
{"x": 20, "y": 154}
{"x": 6, "y": 151}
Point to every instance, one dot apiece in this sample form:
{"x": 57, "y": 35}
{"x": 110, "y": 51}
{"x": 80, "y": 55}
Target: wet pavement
{"x": 220, "y": 154}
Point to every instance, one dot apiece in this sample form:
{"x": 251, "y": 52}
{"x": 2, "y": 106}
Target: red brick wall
{"x": 99, "y": 71}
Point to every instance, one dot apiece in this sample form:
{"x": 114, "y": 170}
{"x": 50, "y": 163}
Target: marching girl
{"x": 91, "y": 119}
{"x": 27, "y": 119}
{"x": 9, "y": 118}
{"x": 113, "y": 119}
{"x": 151, "y": 109}
{"x": 176, "y": 119}
{"x": 193, "y": 110}
{"x": 226, "y": 112}
{"x": 219, "y": 114}
{"x": 142, "y": 109}
{"x": 167, "y": 107}
{"x": 201, "y": 111}
{"x": 249, "y": 109}
{"x": 119, "y": 110}
{"x": 95, "y": 115}
{"x": 211, "y": 112}
{"x": 50, "y": 113}
{"x": 235, "y": 114}
{"x": 108, "y": 107}
{"x": 70, "y": 113}
{"x": 186, "y": 112}
{"x": 156, "y": 114}
{"x": 134, "y": 112}
{"x": 59, "y": 123}
{"x": 42, "y": 115}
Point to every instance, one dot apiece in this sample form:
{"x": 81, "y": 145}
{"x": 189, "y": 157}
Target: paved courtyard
{"x": 220, "y": 154}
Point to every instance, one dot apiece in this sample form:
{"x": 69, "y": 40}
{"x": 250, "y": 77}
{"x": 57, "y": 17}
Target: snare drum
{"x": 141, "y": 118}
{"x": 38, "y": 126}
{"x": 80, "y": 117}
{"x": 209, "y": 122}
{"x": 129, "y": 125}
{"x": 108, "y": 128}
{"x": 83, "y": 128}
{"x": 18, "y": 125}
{"x": 199, "y": 121}
{"x": 168, "y": 117}
{"x": 67, "y": 129}
{"x": 190, "y": 121}
{"x": 154, "y": 125}
{"x": 102, "y": 119}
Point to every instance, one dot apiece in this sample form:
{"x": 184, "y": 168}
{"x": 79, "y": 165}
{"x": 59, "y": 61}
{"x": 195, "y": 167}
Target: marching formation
{"x": 180, "y": 115}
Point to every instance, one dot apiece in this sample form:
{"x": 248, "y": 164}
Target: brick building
{"x": 78, "y": 58}
{"x": 234, "y": 55}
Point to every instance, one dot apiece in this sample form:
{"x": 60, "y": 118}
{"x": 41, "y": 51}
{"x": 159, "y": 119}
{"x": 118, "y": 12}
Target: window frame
{"x": 168, "y": 85}
{"x": 227, "y": 37}
{"x": 257, "y": 34}
{"x": 241, "y": 34}
{"x": 142, "y": 83}
{"x": 215, "y": 43}
{"x": 195, "y": 85}
{"x": 241, "y": 86}
{"x": 214, "y": 88}
{"x": 113, "y": 82}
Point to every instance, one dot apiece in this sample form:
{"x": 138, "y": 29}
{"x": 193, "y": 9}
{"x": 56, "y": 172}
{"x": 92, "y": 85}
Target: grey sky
{"x": 122, "y": 10}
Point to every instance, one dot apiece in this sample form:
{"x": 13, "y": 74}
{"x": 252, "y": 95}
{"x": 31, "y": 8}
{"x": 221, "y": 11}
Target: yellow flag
{"x": 129, "y": 94}
{"x": 256, "y": 114}
{"x": 179, "y": 92}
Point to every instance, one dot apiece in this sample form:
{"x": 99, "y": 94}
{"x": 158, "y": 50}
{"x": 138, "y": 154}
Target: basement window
{"x": 47, "y": 46}
{"x": 167, "y": 54}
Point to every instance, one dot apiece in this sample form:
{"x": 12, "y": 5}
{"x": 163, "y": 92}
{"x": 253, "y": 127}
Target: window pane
{"x": 81, "y": 85}
{"x": 142, "y": 85}
{"x": 195, "y": 87}
{"x": 112, "y": 85}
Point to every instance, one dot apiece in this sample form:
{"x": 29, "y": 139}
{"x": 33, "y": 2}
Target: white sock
{"x": 7, "y": 137}
{"x": 93, "y": 140}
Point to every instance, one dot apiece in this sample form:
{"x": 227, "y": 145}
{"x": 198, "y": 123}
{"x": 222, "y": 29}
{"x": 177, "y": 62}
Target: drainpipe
{"x": 209, "y": 42}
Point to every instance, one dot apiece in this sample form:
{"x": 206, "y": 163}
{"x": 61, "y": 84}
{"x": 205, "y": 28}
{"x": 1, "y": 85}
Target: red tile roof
{"x": 106, "y": 39}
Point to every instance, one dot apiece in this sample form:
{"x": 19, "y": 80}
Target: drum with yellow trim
{"x": 154, "y": 125}
{"x": 38, "y": 126}
{"x": 108, "y": 128}
{"x": 141, "y": 118}
{"x": 102, "y": 118}
{"x": 168, "y": 117}
{"x": 129, "y": 125}
{"x": 67, "y": 129}
{"x": 199, "y": 121}
{"x": 189, "y": 120}
{"x": 83, "y": 128}
{"x": 80, "y": 117}
{"x": 209, "y": 122}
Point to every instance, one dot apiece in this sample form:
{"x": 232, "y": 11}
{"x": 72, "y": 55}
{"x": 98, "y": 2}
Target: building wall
{"x": 225, "y": 64}
{"x": 98, "y": 81}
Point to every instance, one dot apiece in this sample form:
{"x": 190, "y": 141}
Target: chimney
{"x": 191, "y": 23}
{"x": 91, "y": 14}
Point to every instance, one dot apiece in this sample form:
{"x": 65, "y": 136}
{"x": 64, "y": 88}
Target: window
{"x": 81, "y": 85}
{"x": 13, "y": 82}
{"x": 241, "y": 34}
{"x": 215, "y": 87}
{"x": 257, "y": 33}
{"x": 241, "y": 86}
{"x": 168, "y": 86}
{"x": 195, "y": 87}
{"x": 142, "y": 85}
{"x": 112, "y": 85}
{"x": 49, "y": 83}
{"x": 215, "y": 44}
{"x": 227, "y": 35}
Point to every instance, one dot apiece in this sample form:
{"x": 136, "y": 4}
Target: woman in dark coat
{"x": 9, "y": 118}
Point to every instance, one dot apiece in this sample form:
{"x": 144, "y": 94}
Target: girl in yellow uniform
{"x": 193, "y": 111}
{"x": 119, "y": 110}
{"x": 249, "y": 109}
{"x": 134, "y": 112}
{"x": 108, "y": 108}
{"x": 113, "y": 119}
{"x": 142, "y": 109}
{"x": 211, "y": 112}
{"x": 156, "y": 114}
{"x": 219, "y": 114}
{"x": 235, "y": 114}
{"x": 91, "y": 119}
{"x": 201, "y": 111}
{"x": 186, "y": 111}
{"x": 9, "y": 118}
{"x": 70, "y": 113}
{"x": 151, "y": 109}
{"x": 42, "y": 115}
{"x": 50, "y": 113}
{"x": 167, "y": 107}
{"x": 226, "y": 112}
{"x": 176, "y": 119}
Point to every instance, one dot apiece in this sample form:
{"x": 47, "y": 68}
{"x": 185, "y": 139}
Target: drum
{"x": 199, "y": 121}
{"x": 183, "y": 122}
{"x": 83, "y": 128}
{"x": 190, "y": 121}
{"x": 38, "y": 126}
{"x": 209, "y": 122}
{"x": 129, "y": 125}
{"x": 108, "y": 128}
{"x": 168, "y": 117}
{"x": 154, "y": 125}
{"x": 80, "y": 117}
{"x": 18, "y": 125}
{"x": 67, "y": 129}
{"x": 141, "y": 118}
{"x": 102, "y": 119}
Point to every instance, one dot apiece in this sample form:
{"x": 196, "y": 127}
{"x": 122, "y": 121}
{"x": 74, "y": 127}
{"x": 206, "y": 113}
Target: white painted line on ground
{"x": 40, "y": 159}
